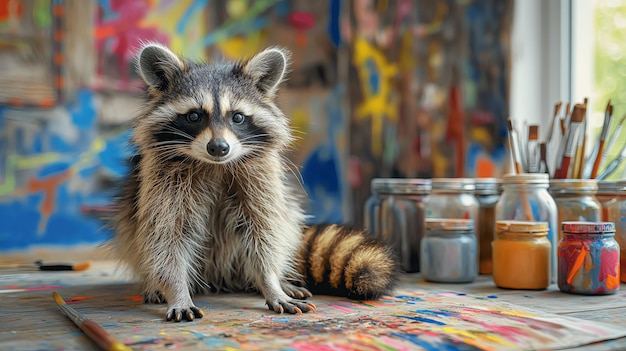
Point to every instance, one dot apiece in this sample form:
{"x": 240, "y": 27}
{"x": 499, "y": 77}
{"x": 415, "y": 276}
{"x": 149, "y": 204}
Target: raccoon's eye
{"x": 238, "y": 118}
{"x": 193, "y": 117}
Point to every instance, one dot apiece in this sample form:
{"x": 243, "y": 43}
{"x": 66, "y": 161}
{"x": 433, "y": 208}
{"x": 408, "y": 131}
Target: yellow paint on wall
{"x": 377, "y": 105}
{"x": 241, "y": 47}
{"x": 167, "y": 20}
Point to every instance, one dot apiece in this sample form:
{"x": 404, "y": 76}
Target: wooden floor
{"x": 419, "y": 315}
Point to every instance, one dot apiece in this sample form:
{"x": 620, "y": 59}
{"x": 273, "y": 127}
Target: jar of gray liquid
{"x": 402, "y": 220}
{"x": 449, "y": 251}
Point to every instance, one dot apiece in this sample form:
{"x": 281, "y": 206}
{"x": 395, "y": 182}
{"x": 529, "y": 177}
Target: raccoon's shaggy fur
{"x": 208, "y": 205}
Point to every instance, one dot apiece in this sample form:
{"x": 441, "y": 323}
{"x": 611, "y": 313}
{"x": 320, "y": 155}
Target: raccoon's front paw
{"x": 178, "y": 313}
{"x": 289, "y": 305}
{"x": 154, "y": 297}
{"x": 297, "y": 292}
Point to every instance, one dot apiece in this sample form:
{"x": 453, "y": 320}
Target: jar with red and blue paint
{"x": 589, "y": 258}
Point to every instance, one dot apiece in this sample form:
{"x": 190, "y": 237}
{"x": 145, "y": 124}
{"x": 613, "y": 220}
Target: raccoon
{"x": 209, "y": 206}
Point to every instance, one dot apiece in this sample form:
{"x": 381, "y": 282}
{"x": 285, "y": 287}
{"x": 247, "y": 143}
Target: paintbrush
{"x": 94, "y": 331}
{"x": 599, "y": 148}
{"x": 514, "y": 145}
{"x": 612, "y": 166}
{"x": 571, "y": 141}
{"x": 557, "y": 108}
{"x": 560, "y": 150}
{"x": 579, "y": 157}
{"x": 80, "y": 266}
{"x": 532, "y": 149}
{"x": 612, "y": 140}
{"x": 563, "y": 126}
{"x": 543, "y": 162}
{"x": 568, "y": 117}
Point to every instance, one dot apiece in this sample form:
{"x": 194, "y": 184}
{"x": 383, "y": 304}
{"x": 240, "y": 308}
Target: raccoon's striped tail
{"x": 338, "y": 260}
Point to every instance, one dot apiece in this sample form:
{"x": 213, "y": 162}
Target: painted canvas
{"x": 416, "y": 316}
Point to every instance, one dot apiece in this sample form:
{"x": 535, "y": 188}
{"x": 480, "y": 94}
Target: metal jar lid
{"x": 576, "y": 227}
{"x": 449, "y": 224}
{"x": 607, "y": 187}
{"x": 523, "y": 227}
{"x": 380, "y": 184}
{"x": 454, "y": 184}
{"x": 573, "y": 186}
{"x": 407, "y": 186}
{"x": 488, "y": 186}
{"x": 526, "y": 178}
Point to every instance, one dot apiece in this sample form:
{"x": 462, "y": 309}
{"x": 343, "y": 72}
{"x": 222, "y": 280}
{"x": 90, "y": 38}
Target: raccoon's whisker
{"x": 244, "y": 140}
{"x": 174, "y": 131}
{"x": 168, "y": 146}
{"x": 294, "y": 169}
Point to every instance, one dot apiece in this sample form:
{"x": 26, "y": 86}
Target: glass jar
{"x": 452, "y": 198}
{"x": 379, "y": 188}
{"x": 449, "y": 251}
{"x": 589, "y": 258}
{"x": 607, "y": 196}
{"x": 522, "y": 255}
{"x": 576, "y": 200}
{"x": 403, "y": 220}
{"x": 487, "y": 194}
{"x": 525, "y": 197}
{"x": 617, "y": 214}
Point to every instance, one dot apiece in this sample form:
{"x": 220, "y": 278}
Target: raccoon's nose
{"x": 218, "y": 147}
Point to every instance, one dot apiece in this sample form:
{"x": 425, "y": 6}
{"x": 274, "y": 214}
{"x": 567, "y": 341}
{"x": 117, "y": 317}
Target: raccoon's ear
{"x": 268, "y": 69}
{"x": 158, "y": 65}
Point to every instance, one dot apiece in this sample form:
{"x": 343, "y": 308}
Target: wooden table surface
{"x": 31, "y": 320}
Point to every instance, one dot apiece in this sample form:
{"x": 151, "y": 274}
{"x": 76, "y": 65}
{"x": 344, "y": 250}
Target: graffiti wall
{"x": 377, "y": 88}
{"x": 428, "y": 89}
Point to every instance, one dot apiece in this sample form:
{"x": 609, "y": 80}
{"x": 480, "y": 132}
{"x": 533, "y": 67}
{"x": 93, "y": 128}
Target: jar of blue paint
{"x": 449, "y": 251}
{"x": 525, "y": 197}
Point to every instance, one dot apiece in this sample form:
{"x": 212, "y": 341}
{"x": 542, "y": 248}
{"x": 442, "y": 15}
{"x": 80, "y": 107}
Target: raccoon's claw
{"x": 291, "y": 306}
{"x": 178, "y": 314}
{"x": 296, "y": 292}
{"x": 154, "y": 297}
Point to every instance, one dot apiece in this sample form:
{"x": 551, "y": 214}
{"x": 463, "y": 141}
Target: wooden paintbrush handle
{"x": 97, "y": 334}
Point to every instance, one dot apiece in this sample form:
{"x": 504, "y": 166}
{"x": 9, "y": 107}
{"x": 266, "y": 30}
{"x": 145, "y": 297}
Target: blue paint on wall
{"x": 322, "y": 172}
{"x": 41, "y": 152}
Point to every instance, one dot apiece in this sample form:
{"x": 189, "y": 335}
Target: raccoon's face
{"x": 217, "y": 113}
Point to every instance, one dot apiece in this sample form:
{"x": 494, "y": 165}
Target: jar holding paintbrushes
{"x": 525, "y": 197}
{"x": 576, "y": 200}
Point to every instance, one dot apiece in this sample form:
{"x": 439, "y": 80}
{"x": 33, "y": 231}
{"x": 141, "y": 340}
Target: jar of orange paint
{"x": 589, "y": 258}
{"x": 522, "y": 255}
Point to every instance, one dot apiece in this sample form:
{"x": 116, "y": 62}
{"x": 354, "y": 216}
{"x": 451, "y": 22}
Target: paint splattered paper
{"x": 415, "y": 317}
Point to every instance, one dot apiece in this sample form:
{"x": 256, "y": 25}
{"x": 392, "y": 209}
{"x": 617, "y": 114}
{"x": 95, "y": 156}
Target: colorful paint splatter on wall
{"x": 428, "y": 83}
{"x": 370, "y": 94}
{"x": 52, "y": 163}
